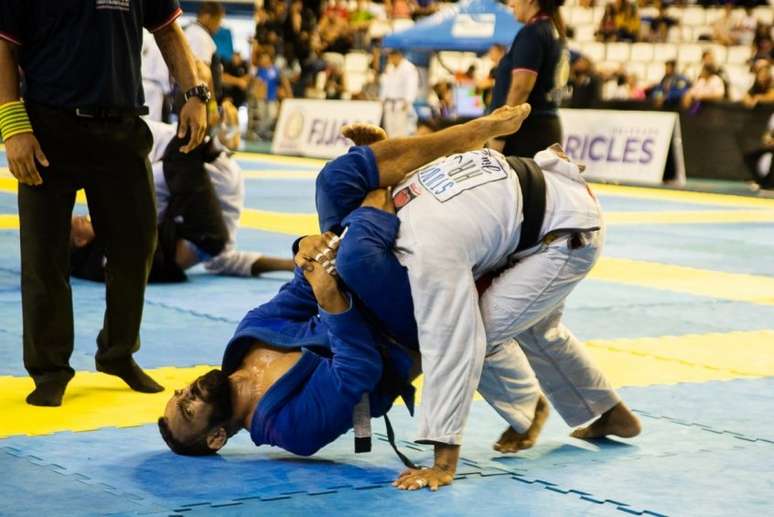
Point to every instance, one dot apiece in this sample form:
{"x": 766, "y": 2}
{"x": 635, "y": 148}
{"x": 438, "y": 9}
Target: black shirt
{"x": 83, "y": 53}
{"x": 536, "y": 48}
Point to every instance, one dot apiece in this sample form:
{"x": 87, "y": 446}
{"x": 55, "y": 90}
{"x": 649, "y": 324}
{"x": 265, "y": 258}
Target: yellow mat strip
{"x": 701, "y": 198}
{"x": 701, "y": 282}
{"x": 94, "y": 400}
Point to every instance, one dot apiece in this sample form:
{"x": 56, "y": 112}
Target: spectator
{"x": 660, "y": 25}
{"x": 236, "y": 79}
{"x": 708, "y": 58}
{"x": 627, "y": 21}
{"x": 199, "y": 33}
{"x": 743, "y": 32}
{"x": 763, "y": 48}
{"x": 760, "y": 162}
{"x": 424, "y": 8}
{"x": 335, "y": 32}
{"x": 399, "y": 9}
{"x": 264, "y": 100}
{"x": 297, "y": 30}
{"x": 708, "y": 87}
{"x": 762, "y": 90}
{"x": 265, "y": 31}
{"x": 441, "y": 100}
{"x": 360, "y": 21}
{"x": 586, "y": 84}
{"x": 723, "y": 27}
{"x": 334, "y": 83}
{"x": 337, "y": 8}
{"x": 670, "y": 90}
{"x": 486, "y": 72}
{"x": 399, "y": 88}
{"x": 607, "y": 30}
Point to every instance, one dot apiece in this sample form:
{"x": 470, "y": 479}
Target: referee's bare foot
{"x": 363, "y": 133}
{"x": 511, "y": 441}
{"x": 616, "y": 421}
{"x": 506, "y": 120}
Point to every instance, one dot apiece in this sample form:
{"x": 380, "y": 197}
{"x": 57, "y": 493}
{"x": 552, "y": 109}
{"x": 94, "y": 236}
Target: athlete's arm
{"x": 522, "y": 82}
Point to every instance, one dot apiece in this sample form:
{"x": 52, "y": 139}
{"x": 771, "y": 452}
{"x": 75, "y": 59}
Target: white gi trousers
{"x": 460, "y": 224}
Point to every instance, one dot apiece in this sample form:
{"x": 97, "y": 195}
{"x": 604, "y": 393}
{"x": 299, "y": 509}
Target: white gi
{"x": 399, "y": 87}
{"x": 229, "y": 185}
{"x": 202, "y": 45}
{"x": 155, "y": 77}
{"x": 464, "y": 220}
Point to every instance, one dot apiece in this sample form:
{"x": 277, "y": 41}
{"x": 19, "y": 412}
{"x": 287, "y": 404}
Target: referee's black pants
{"x": 537, "y": 132}
{"x": 108, "y": 159}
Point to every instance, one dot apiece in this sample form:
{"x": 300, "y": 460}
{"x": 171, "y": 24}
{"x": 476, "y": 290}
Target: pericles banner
{"x": 308, "y": 127}
{"x": 625, "y": 146}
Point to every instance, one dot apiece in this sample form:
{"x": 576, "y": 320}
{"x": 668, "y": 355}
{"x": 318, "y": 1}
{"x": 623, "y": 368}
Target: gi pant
{"x": 108, "y": 159}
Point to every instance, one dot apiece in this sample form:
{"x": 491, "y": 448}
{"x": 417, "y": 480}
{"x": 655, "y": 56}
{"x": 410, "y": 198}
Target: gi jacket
{"x": 343, "y": 357}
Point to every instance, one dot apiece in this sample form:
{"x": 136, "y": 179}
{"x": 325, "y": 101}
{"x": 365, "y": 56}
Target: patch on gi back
{"x": 405, "y": 195}
{"x": 449, "y": 178}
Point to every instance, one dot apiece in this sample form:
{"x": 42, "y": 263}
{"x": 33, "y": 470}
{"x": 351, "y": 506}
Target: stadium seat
{"x": 654, "y": 73}
{"x": 356, "y": 61}
{"x": 638, "y": 69}
{"x": 764, "y": 14}
{"x": 693, "y": 16}
{"x": 585, "y": 33}
{"x": 702, "y": 30}
{"x": 720, "y": 52}
{"x": 642, "y": 52}
{"x": 675, "y": 35}
{"x": 712, "y": 14}
{"x": 686, "y": 34}
{"x": 334, "y": 59}
{"x": 379, "y": 28}
{"x": 593, "y": 50}
{"x": 402, "y": 24}
{"x": 689, "y": 53}
{"x": 738, "y": 54}
{"x": 740, "y": 80}
{"x": 664, "y": 52}
{"x": 597, "y": 15}
{"x": 581, "y": 15}
{"x": 618, "y": 52}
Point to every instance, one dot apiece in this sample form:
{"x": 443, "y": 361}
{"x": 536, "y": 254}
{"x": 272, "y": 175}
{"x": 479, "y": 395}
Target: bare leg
{"x": 511, "y": 441}
{"x": 267, "y": 264}
{"x": 616, "y": 421}
{"x": 397, "y": 157}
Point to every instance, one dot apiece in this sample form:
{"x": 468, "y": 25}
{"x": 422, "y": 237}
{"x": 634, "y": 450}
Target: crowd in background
{"x": 299, "y": 47}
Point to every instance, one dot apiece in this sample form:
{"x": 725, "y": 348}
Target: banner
{"x": 626, "y": 146}
{"x": 310, "y": 127}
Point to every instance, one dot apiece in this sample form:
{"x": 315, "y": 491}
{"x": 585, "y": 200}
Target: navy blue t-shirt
{"x": 538, "y": 49}
{"x": 83, "y": 53}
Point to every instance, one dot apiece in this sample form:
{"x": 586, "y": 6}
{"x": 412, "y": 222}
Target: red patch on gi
{"x": 405, "y": 195}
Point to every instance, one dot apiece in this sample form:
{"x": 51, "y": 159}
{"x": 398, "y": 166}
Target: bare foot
{"x": 363, "y": 133}
{"x": 511, "y": 441}
{"x": 617, "y": 421}
{"x": 506, "y": 120}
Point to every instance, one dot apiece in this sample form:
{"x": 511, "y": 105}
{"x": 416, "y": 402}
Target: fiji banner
{"x": 309, "y": 127}
{"x": 623, "y": 146}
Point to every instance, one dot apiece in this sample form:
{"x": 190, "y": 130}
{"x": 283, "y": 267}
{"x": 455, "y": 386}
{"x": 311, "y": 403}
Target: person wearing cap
{"x": 79, "y": 126}
{"x": 535, "y": 70}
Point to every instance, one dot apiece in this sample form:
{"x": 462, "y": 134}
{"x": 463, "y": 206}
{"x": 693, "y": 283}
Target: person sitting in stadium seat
{"x": 707, "y": 88}
{"x": 669, "y": 91}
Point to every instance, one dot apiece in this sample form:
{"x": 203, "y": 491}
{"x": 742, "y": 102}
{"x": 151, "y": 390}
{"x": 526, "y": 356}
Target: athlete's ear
{"x": 217, "y": 438}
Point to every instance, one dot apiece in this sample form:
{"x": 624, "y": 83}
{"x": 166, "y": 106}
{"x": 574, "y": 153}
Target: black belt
{"x": 533, "y": 193}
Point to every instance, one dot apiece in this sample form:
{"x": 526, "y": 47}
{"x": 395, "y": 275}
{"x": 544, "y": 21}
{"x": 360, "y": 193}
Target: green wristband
{"x": 14, "y": 120}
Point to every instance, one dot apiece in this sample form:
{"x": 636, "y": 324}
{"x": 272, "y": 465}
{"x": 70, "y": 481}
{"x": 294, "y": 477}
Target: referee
{"x": 535, "y": 70}
{"x": 79, "y": 126}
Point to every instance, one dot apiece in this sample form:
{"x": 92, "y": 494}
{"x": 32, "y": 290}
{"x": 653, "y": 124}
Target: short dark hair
{"x": 198, "y": 447}
{"x": 212, "y": 8}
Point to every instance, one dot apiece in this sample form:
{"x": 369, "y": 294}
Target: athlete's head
{"x": 198, "y": 419}
{"x": 81, "y": 231}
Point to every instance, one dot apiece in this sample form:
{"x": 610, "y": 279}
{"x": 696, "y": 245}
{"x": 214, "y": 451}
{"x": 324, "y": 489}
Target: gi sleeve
{"x": 233, "y": 263}
{"x": 527, "y": 51}
{"x": 322, "y": 409}
{"x": 158, "y": 14}
{"x": 452, "y": 340}
{"x": 12, "y": 17}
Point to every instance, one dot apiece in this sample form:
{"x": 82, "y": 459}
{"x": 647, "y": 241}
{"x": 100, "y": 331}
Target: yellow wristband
{"x": 14, "y": 120}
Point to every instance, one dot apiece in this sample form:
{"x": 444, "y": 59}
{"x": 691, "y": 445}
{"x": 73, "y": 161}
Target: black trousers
{"x": 108, "y": 159}
{"x": 751, "y": 158}
{"x": 535, "y": 134}
{"x": 193, "y": 213}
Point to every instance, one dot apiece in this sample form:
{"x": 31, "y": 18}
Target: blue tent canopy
{"x": 471, "y": 25}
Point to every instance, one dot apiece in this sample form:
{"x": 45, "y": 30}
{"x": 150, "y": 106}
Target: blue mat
{"x": 572, "y": 477}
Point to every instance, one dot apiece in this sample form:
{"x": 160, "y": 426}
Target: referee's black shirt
{"x": 537, "y": 49}
{"x": 83, "y": 53}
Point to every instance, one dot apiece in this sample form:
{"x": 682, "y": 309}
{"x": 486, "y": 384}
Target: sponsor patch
{"x": 460, "y": 172}
{"x": 405, "y": 195}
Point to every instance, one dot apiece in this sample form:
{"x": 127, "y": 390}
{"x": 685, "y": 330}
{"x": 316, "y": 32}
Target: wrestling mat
{"x": 679, "y": 313}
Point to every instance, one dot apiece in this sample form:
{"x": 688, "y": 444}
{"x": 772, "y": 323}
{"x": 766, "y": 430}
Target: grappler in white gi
{"x": 462, "y": 217}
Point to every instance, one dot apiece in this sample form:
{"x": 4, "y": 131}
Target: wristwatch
{"x": 200, "y": 92}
